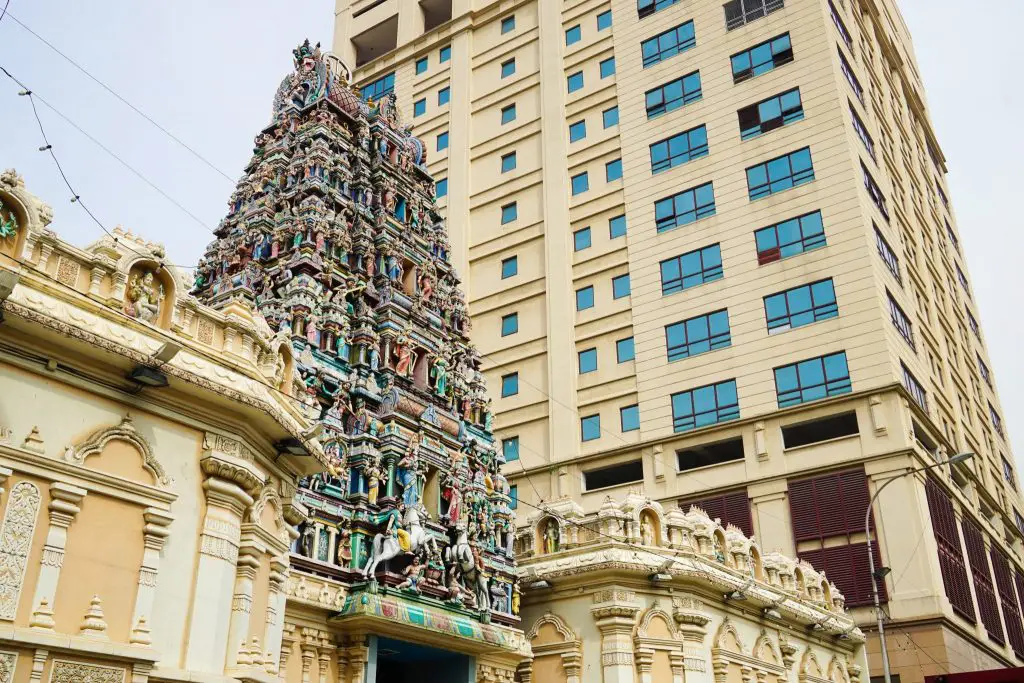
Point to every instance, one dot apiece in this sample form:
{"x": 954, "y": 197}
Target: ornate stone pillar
{"x": 228, "y": 485}
{"x": 246, "y": 569}
{"x": 677, "y": 661}
{"x": 288, "y": 640}
{"x": 323, "y": 663}
{"x": 275, "y": 606}
{"x": 572, "y": 663}
{"x": 308, "y": 653}
{"x": 358, "y": 656}
{"x": 644, "y": 663}
{"x": 615, "y": 620}
{"x": 155, "y": 533}
{"x": 64, "y": 506}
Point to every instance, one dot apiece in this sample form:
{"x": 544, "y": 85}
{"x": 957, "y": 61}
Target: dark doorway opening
{"x": 402, "y": 662}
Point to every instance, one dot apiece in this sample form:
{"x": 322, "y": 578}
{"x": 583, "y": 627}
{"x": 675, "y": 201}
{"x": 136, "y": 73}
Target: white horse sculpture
{"x": 459, "y": 557}
{"x": 386, "y": 547}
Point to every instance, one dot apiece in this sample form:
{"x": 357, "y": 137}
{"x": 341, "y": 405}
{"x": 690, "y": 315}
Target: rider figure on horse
{"x": 393, "y": 527}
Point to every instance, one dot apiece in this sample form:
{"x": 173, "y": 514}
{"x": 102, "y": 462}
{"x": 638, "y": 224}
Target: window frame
{"x": 696, "y": 141}
{"x": 835, "y": 386}
{"x": 828, "y": 309}
{"x": 514, "y": 261}
{"x": 510, "y": 381}
{"x": 578, "y": 125}
{"x": 794, "y": 178}
{"x": 615, "y": 286}
{"x": 577, "y": 235}
{"x": 508, "y": 68}
{"x": 677, "y": 219}
{"x": 611, "y": 226}
{"x": 635, "y": 408}
{"x": 509, "y": 157}
{"x": 601, "y": 67}
{"x": 613, "y": 170}
{"x": 586, "y": 183}
{"x": 618, "y": 350}
{"x": 807, "y": 241}
{"x": 513, "y": 324}
{"x": 787, "y": 114}
{"x": 723, "y": 412}
{"x": 585, "y": 422}
{"x": 706, "y": 273}
{"x": 570, "y": 80}
{"x": 508, "y": 24}
{"x": 514, "y": 208}
{"x": 653, "y": 52}
{"x": 589, "y": 290}
{"x": 577, "y": 36}
{"x": 508, "y": 108}
{"x": 677, "y": 350}
{"x": 666, "y": 105}
{"x": 776, "y": 59}
{"x": 591, "y": 358}
{"x": 604, "y": 117}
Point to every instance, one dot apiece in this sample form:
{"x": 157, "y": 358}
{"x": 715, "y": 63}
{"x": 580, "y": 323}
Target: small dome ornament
{"x": 42, "y": 617}
{"x": 94, "y": 626}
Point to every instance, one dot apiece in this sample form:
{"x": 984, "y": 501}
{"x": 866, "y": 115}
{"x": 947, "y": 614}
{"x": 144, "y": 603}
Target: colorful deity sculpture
{"x": 333, "y": 210}
{"x": 144, "y": 296}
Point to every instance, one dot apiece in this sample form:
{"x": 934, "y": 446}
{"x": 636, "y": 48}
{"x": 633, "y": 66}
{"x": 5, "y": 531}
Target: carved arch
{"x": 641, "y": 630}
{"x": 837, "y": 672}
{"x": 728, "y": 628}
{"x": 765, "y": 650}
{"x": 563, "y": 629}
{"x": 126, "y": 432}
{"x": 810, "y": 668}
{"x": 270, "y": 496}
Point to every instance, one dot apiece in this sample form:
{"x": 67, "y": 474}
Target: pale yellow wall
{"x": 103, "y": 556}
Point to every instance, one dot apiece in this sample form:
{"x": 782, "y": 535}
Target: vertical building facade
{"x": 709, "y": 251}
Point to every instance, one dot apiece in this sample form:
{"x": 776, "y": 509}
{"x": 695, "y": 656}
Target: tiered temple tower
{"x": 332, "y": 235}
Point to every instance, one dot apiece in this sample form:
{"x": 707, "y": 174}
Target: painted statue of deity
{"x": 144, "y": 297}
{"x": 439, "y": 373}
{"x": 406, "y": 472}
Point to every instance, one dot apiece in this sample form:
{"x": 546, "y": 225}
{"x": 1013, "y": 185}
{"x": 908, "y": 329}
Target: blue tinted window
{"x": 771, "y": 113}
{"x": 616, "y": 226}
{"x": 443, "y": 95}
{"x": 607, "y": 67}
{"x": 442, "y": 141}
{"x": 801, "y": 306}
{"x": 672, "y": 95}
{"x": 509, "y": 267}
{"x": 508, "y": 68}
{"x": 679, "y": 149}
{"x": 624, "y": 350}
{"x": 510, "y": 447}
{"x": 419, "y": 107}
{"x": 508, "y": 162}
{"x": 445, "y": 54}
{"x": 699, "y": 334}
{"x": 790, "y": 237}
{"x": 668, "y": 44}
{"x": 590, "y": 427}
{"x": 620, "y": 286}
{"x": 812, "y": 379}
{"x": 377, "y": 89}
{"x": 629, "y": 418}
{"x": 780, "y": 173}
{"x": 705, "y": 405}
{"x": 613, "y": 170}
{"x": 508, "y": 24}
{"x": 508, "y": 113}
{"x": 573, "y": 35}
{"x": 509, "y": 213}
{"x": 762, "y": 58}
{"x": 648, "y": 7}
{"x": 441, "y": 188}
{"x": 581, "y": 239}
{"x": 513, "y": 496}
{"x": 509, "y": 324}
{"x": 610, "y": 117}
{"x": 604, "y": 20}
{"x": 584, "y": 298}
{"x": 575, "y": 81}
{"x": 691, "y": 269}
{"x": 587, "y": 361}
{"x": 421, "y": 65}
{"x": 577, "y": 131}
{"x": 684, "y": 207}
{"x": 510, "y": 384}
{"x": 580, "y": 183}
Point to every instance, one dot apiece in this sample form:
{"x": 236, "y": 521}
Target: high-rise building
{"x": 709, "y": 252}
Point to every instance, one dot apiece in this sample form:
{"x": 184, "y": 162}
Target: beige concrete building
{"x": 709, "y": 251}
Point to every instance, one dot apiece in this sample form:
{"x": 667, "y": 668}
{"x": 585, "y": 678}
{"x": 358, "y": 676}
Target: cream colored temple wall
{"x": 126, "y": 507}
{"x": 907, "y": 166}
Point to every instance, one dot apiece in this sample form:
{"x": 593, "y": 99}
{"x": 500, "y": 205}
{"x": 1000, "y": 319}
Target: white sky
{"x": 207, "y": 71}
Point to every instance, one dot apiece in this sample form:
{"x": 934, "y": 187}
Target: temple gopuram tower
{"x": 333, "y": 237}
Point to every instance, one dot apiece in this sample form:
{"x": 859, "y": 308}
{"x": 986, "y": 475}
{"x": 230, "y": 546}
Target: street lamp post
{"x": 881, "y": 573}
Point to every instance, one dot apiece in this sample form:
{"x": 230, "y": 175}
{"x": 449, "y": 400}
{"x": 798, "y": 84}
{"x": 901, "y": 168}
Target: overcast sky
{"x": 207, "y": 71}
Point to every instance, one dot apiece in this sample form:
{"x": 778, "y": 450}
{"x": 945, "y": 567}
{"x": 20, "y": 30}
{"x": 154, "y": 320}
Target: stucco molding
{"x": 810, "y": 669}
{"x": 64, "y": 671}
{"x": 570, "y": 646}
{"x": 125, "y": 431}
{"x": 722, "y": 655}
{"x": 15, "y": 542}
{"x": 8, "y": 665}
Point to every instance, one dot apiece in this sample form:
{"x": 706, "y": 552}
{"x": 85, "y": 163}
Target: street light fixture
{"x": 882, "y": 572}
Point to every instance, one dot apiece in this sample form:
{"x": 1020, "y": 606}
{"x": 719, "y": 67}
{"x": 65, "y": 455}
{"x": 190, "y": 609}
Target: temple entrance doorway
{"x": 398, "y": 661}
